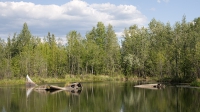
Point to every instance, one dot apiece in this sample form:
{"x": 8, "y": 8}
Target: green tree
{"x": 2, "y": 59}
{"x": 74, "y": 51}
{"x": 112, "y": 51}
{"x": 135, "y": 51}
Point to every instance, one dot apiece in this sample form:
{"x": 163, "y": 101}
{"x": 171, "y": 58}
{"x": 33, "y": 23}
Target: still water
{"x": 101, "y": 97}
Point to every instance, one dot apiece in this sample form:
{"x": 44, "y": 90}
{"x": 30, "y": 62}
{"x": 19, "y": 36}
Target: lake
{"x": 100, "y": 97}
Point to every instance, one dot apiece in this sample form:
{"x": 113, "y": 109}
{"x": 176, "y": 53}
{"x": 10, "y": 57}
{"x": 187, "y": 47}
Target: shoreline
{"x": 70, "y": 78}
{"x": 88, "y": 78}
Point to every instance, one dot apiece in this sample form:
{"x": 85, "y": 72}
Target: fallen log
{"x": 73, "y": 88}
{"x": 45, "y": 92}
{"x": 52, "y": 87}
{"x": 29, "y": 82}
{"x": 151, "y": 86}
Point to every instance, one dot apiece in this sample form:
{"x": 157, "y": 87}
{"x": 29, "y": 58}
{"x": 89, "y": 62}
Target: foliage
{"x": 162, "y": 51}
{"x": 159, "y": 50}
{"x": 195, "y": 83}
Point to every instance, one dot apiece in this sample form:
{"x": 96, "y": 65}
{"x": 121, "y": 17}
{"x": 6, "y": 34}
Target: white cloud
{"x": 74, "y": 15}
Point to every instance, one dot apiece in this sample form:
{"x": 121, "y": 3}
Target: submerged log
{"x": 151, "y": 86}
{"x": 72, "y": 86}
{"x": 45, "y": 92}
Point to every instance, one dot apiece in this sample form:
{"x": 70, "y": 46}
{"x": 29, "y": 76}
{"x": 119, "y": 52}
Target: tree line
{"x": 159, "y": 50}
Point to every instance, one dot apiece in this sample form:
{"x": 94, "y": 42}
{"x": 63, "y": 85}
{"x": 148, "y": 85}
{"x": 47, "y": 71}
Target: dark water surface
{"x": 101, "y": 97}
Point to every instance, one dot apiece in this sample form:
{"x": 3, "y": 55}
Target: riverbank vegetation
{"x": 159, "y": 50}
{"x": 71, "y": 78}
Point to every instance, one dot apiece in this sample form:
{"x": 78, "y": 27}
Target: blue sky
{"x": 61, "y": 16}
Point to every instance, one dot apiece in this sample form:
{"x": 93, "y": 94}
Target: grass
{"x": 12, "y": 81}
{"x": 70, "y": 78}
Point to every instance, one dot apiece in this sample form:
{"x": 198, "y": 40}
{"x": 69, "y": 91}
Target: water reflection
{"x": 29, "y": 90}
{"x": 101, "y": 97}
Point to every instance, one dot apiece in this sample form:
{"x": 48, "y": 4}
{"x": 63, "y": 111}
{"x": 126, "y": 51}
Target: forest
{"x": 159, "y": 50}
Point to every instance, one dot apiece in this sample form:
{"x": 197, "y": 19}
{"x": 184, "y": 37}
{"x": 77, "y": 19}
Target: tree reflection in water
{"x": 100, "y": 97}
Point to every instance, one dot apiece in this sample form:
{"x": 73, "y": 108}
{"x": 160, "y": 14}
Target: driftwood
{"x": 151, "y": 86}
{"x": 74, "y": 88}
{"x": 45, "y": 92}
{"x": 29, "y": 82}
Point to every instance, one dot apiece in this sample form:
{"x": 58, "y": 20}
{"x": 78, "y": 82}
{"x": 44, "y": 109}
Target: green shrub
{"x": 195, "y": 83}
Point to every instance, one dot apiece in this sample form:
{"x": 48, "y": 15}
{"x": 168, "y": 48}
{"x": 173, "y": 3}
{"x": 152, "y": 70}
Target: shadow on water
{"x": 101, "y": 97}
